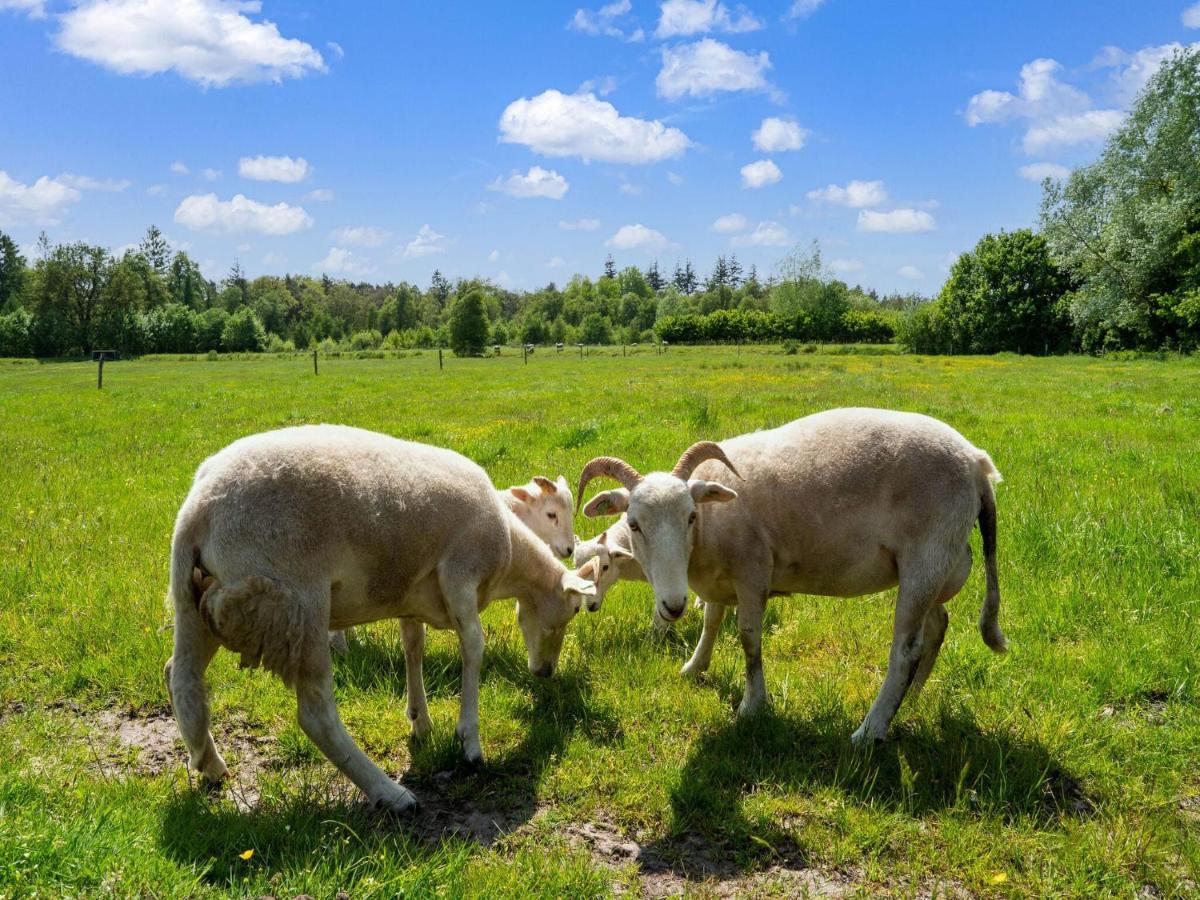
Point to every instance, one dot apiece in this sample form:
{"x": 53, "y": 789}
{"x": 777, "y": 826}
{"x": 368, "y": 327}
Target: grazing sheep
{"x": 543, "y": 505}
{"x": 614, "y": 559}
{"x": 841, "y": 503}
{"x": 286, "y": 534}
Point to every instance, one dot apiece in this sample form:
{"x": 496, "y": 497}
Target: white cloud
{"x": 556, "y": 262}
{"x": 210, "y": 174}
{"x": 84, "y": 183}
{"x": 760, "y": 174}
{"x": 40, "y": 203}
{"x": 339, "y": 261}
{"x": 856, "y": 194}
{"x": 558, "y": 124}
{"x": 602, "y": 86}
{"x": 604, "y": 21}
{"x": 210, "y": 42}
{"x": 767, "y": 234}
{"x": 271, "y": 258}
{"x": 34, "y": 9}
{"x": 802, "y": 9}
{"x": 494, "y": 256}
{"x": 579, "y": 224}
{"x": 1043, "y": 170}
{"x": 338, "y": 50}
{"x": 156, "y": 190}
{"x": 179, "y": 167}
{"x": 1191, "y": 16}
{"x": 538, "y": 182}
{"x": 675, "y": 178}
{"x": 1133, "y": 71}
{"x": 845, "y": 266}
{"x": 361, "y": 236}
{"x": 776, "y": 135}
{"x": 274, "y": 168}
{"x": 320, "y": 195}
{"x": 707, "y": 67}
{"x": 204, "y": 212}
{"x": 910, "y": 272}
{"x": 898, "y": 221}
{"x": 1057, "y": 114}
{"x": 683, "y": 18}
{"x": 629, "y": 190}
{"x": 729, "y": 224}
{"x": 426, "y": 243}
{"x": 637, "y": 237}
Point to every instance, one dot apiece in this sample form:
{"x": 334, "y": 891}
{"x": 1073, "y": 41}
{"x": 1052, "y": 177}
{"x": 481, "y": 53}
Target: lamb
{"x": 543, "y": 505}
{"x": 841, "y": 503}
{"x": 289, "y": 533}
{"x": 614, "y": 560}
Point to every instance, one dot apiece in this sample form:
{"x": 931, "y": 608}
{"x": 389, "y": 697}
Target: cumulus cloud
{"x": 361, "y": 236}
{"x": 729, "y": 224}
{"x": 34, "y": 9}
{"x": 607, "y": 21}
{"x": 1043, "y": 170}
{"x": 683, "y": 18}
{"x": 210, "y": 174}
{"x": 537, "y": 182}
{"x": 637, "y": 237}
{"x": 845, "y": 266}
{"x": 339, "y": 261}
{"x": 766, "y": 234}
{"x": 1056, "y": 114}
{"x": 211, "y": 42}
{"x": 578, "y": 224}
{"x": 85, "y": 183}
{"x": 204, "y": 212}
{"x": 675, "y": 178}
{"x": 602, "y": 86}
{"x": 802, "y": 9}
{"x": 320, "y": 195}
{"x": 40, "y": 203}
{"x": 760, "y": 174}
{"x": 629, "y": 190}
{"x": 897, "y": 221}
{"x": 910, "y": 272}
{"x": 426, "y": 243}
{"x": 179, "y": 167}
{"x": 558, "y": 124}
{"x": 1133, "y": 71}
{"x": 776, "y": 135}
{"x": 856, "y": 194}
{"x": 274, "y": 168}
{"x": 707, "y": 67}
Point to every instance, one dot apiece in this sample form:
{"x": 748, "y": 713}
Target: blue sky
{"x": 524, "y": 142}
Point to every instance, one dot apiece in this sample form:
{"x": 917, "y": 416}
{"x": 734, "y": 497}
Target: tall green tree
{"x": 12, "y": 274}
{"x": 468, "y": 325}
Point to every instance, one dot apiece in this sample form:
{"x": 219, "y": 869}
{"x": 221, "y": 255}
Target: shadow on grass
{"x": 461, "y": 805}
{"x": 922, "y": 769}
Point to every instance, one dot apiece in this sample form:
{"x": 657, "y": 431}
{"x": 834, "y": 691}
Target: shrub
{"x": 243, "y": 333}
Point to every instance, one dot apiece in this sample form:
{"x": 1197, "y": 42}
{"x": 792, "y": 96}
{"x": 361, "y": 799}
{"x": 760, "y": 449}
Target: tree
{"x": 654, "y": 278}
{"x": 1005, "y": 295}
{"x": 610, "y": 268}
{"x": 468, "y": 325}
{"x": 596, "y": 329}
{"x": 156, "y": 251}
{"x": 12, "y": 274}
{"x": 67, "y": 295}
{"x": 735, "y": 272}
{"x": 685, "y": 280}
{"x": 236, "y": 283}
{"x": 243, "y": 333}
{"x": 1124, "y": 227}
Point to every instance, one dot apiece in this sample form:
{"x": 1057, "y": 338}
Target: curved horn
{"x": 699, "y": 452}
{"x": 616, "y": 469}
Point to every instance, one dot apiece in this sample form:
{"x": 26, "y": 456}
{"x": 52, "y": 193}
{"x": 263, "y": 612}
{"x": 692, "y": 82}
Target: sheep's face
{"x": 545, "y": 507}
{"x": 544, "y": 619}
{"x": 608, "y": 558}
{"x": 661, "y": 513}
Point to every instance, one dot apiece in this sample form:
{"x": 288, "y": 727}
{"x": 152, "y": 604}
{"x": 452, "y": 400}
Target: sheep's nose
{"x": 593, "y": 605}
{"x": 671, "y": 613}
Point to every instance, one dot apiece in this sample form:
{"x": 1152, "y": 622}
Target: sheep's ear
{"x": 710, "y": 492}
{"x": 563, "y": 485}
{"x": 603, "y": 539}
{"x": 547, "y": 486}
{"x": 607, "y": 503}
{"x": 521, "y": 494}
{"x": 575, "y": 588}
{"x": 618, "y": 552}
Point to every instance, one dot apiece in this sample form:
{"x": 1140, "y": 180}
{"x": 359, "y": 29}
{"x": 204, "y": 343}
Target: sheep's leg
{"x": 339, "y": 641}
{"x": 318, "y": 716}
{"x": 413, "y": 634}
{"x": 918, "y": 591}
{"x": 937, "y": 619}
{"x": 714, "y": 615}
{"x": 470, "y": 642}
{"x": 195, "y": 647}
{"x": 751, "y": 604}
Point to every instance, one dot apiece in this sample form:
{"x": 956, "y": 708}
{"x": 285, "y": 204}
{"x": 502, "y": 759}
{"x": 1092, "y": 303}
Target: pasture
{"x": 1069, "y": 766}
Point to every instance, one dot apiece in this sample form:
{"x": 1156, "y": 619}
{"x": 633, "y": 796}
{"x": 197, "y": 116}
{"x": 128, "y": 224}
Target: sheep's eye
{"x": 634, "y": 526}
{"x": 604, "y": 568}
{"x": 553, "y": 515}
{"x": 692, "y": 519}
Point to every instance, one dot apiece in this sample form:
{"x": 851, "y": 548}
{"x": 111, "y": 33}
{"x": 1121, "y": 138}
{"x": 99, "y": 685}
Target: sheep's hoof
{"x": 422, "y": 727}
{"x": 401, "y": 802}
{"x": 748, "y": 708}
{"x": 693, "y": 669}
{"x": 863, "y": 738}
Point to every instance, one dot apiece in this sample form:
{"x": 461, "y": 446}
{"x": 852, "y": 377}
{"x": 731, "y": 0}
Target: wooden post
{"x": 314, "y": 362}
{"x": 581, "y": 351}
{"x": 622, "y": 348}
{"x": 439, "y": 358}
{"x": 525, "y": 353}
{"x": 100, "y": 373}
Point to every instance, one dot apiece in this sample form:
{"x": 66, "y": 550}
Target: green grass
{"x": 1067, "y": 767}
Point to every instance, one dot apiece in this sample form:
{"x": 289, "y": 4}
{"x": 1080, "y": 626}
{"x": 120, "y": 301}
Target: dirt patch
{"x": 440, "y": 815}
{"x": 1066, "y": 792}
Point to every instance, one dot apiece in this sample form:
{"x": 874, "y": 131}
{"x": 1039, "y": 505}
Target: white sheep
{"x": 287, "y": 534}
{"x": 614, "y": 560}
{"x": 543, "y": 505}
{"x": 841, "y": 503}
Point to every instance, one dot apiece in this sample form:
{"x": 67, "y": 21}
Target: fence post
{"x": 525, "y": 353}
{"x": 100, "y": 373}
{"x": 581, "y": 351}
{"x": 315, "y": 362}
{"x": 622, "y": 348}
{"x": 439, "y": 358}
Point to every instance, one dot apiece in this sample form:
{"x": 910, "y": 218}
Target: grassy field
{"x": 1070, "y": 766}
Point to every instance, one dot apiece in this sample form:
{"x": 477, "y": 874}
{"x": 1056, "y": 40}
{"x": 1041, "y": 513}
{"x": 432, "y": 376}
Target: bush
{"x": 210, "y": 325}
{"x": 595, "y": 329}
{"x": 366, "y": 340}
{"x": 171, "y": 328}
{"x": 468, "y": 325}
{"x": 276, "y": 344}
{"x": 243, "y": 333}
{"x": 923, "y": 330}
{"x": 14, "y": 334}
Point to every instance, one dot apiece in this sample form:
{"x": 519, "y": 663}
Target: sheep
{"x": 614, "y": 560}
{"x": 841, "y": 503}
{"x": 286, "y": 534}
{"x": 543, "y": 505}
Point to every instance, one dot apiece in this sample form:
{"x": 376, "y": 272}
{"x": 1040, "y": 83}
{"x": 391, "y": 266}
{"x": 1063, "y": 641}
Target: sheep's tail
{"x": 187, "y": 575}
{"x": 989, "y": 625}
